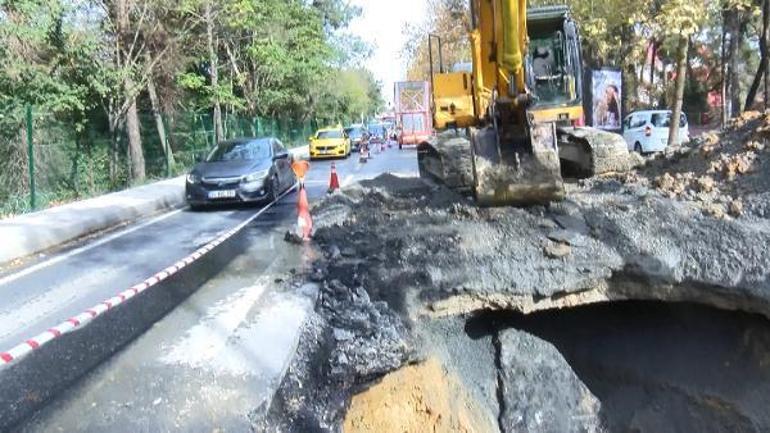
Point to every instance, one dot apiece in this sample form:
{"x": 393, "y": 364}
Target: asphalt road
{"x": 218, "y": 355}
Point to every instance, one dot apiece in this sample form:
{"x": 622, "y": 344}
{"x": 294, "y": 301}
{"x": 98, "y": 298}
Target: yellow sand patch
{"x": 416, "y": 399}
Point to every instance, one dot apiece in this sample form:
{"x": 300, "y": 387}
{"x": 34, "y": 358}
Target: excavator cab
{"x": 555, "y": 65}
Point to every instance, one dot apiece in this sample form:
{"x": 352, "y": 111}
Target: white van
{"x": 647, "y": 131}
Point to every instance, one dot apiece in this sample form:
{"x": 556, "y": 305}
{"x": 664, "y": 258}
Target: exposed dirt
{"x": 420, "y": 398}
{"x": 410, "y": 266}
{"x": 724, "y": 174}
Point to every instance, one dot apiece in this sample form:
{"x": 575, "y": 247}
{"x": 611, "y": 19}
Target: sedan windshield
{"x": 329, "y": 134}
{"x": 240, "y": 151}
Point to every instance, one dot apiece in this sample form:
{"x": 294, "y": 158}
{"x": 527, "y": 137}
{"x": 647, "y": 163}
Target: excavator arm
{"x": 520, "y": 111}
{"x": 514, "y": 160}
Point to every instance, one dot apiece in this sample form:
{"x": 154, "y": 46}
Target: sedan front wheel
{"x": 275, "y": 187}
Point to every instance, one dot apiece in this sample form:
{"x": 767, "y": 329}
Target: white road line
{"x": 52, "y": 261}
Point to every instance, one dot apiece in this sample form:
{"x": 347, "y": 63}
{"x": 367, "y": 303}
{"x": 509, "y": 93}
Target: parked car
{"x": 241, "y": 170}
{"x": 647, "y": 131}
{"x": 330, "y": 143}
{"x": 356, "y": 134}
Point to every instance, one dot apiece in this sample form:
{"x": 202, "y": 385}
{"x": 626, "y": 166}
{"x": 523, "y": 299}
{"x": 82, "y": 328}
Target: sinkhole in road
{"x": 660, "y": 367}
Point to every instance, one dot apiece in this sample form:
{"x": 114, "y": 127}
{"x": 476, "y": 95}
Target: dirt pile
{"x": 420, "y": 398}
{"x": 723, "y": 173}
{"x": 408, "y": 266}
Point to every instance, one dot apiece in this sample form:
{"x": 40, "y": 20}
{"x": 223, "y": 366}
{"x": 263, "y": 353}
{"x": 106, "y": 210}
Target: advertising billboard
{"x": 606, "y": 88}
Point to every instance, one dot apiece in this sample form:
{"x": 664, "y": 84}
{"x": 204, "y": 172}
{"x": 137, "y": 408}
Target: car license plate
{"x": 230, "y": 193}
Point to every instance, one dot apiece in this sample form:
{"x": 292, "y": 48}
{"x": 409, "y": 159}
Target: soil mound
{"x": 723, "y": 173}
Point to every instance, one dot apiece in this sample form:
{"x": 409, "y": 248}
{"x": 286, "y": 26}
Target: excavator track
{"x": 470, "y": 162}
{"x": 447, "y": 159}
{"x": 593, "y": 152}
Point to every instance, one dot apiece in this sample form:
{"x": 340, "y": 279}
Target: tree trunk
{"x": 663, "y": 99}
{"x": 723, "y": 85}
{"x": 681, "y": 75}
{"x": 135, "y": 153}
{"x": 164, "y": 144}
{"x": 735, "y": 24}
{"x": 214, "y": 70}
{"x": 652, "y": 63}
{"x": 752, "y": 94}
{"x": 113, "y": 126}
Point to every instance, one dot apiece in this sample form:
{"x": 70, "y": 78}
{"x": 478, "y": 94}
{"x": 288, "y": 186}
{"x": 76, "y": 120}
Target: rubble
{"x": 716, "y": 170}
{"x": 557, "y": 250}
{"x": 409, "y": 265}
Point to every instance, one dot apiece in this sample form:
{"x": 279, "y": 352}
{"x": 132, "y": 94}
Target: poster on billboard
{"x": 606, "y": 88}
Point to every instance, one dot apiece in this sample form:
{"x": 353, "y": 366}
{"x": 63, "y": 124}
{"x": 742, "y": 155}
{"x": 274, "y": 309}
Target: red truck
{"x": 413, "y": 113}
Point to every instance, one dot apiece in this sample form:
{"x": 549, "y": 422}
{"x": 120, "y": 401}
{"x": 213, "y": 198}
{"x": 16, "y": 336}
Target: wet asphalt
{"x": 217, "y": 356}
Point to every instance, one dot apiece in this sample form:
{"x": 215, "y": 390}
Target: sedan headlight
{"x": 256, "y": 176}
{"x": 193, "y": 178}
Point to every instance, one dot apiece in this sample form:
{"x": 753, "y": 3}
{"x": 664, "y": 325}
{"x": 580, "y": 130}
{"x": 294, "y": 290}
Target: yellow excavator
{"x": 509, "y": 126}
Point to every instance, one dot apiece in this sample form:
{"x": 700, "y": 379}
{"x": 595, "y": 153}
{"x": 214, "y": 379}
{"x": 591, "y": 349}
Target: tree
{"x": 116, "y": 71}
{"x": 44, "y": 62}
{"x": 450, "y": 20}
{"x": 678, "y": 21}
{"x": 212, "y": 43}
{"x": 763, "y": 62}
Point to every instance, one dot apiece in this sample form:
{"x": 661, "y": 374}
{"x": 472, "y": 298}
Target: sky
{"x": 381, "y": 24}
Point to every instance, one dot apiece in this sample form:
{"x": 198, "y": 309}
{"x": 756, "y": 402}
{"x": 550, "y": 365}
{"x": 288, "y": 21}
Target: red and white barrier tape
{"x": 90, "y": 314}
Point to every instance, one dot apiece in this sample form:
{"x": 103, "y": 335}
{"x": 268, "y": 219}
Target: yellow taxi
{"x": 330, "y": 143}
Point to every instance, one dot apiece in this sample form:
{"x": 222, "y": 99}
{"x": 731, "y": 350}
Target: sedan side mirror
{"x": 282, "y": 155}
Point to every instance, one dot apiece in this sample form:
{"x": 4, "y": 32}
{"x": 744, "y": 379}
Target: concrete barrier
{"x": 32, "y": 233}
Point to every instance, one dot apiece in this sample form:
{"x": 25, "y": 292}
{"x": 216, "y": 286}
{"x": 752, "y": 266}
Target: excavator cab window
{"x": 554, "y": 66}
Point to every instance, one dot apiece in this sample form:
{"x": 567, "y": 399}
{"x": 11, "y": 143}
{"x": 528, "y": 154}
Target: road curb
{"x": 35, "y": 370}
{"x": 29, "y": 234}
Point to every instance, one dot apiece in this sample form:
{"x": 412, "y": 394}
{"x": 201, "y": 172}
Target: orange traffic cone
{"x": 334, "y": 182}
{"x": 300, "y": 168}
{"x": 304, "y": 221}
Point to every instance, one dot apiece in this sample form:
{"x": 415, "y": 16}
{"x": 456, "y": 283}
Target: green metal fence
{"x": 46, "y": 160}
